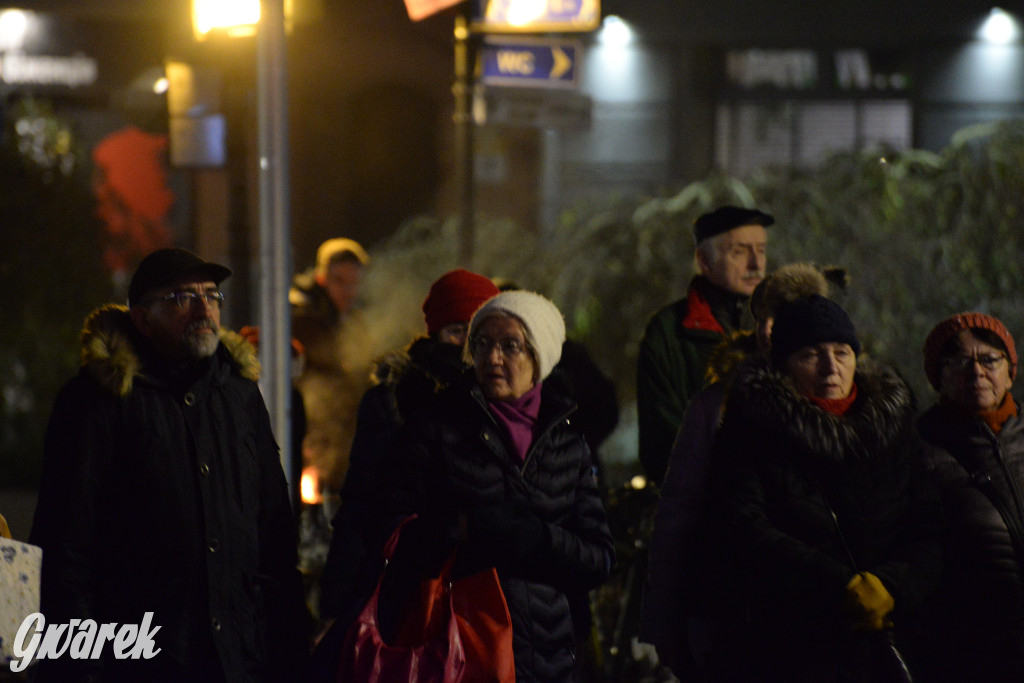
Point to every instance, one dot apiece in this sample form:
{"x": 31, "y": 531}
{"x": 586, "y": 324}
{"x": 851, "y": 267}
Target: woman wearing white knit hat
{"x": 532, "y": 317}
{"x": 495, "y": 471}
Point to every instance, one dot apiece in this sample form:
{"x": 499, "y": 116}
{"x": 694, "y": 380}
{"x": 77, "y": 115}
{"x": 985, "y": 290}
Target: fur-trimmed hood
{"x": 390, "y": 367}
{"x": 425, "y": 355}
{"x": 729, "y": 356}
{"x": 765, "y": 401}
{"x": 111, "y": 352}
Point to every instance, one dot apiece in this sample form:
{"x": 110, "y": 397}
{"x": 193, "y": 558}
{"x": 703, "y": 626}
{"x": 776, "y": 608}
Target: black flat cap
{"x": 167, "y": 266}
{"x": 725, "y": 218}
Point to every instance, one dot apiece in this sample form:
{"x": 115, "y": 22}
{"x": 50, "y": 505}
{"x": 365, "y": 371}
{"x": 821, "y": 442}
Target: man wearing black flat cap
{"x": 163, "y": 493}
{"x": 730, "y": 256}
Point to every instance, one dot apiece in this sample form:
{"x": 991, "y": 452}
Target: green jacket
{"x": 671, "y": 368}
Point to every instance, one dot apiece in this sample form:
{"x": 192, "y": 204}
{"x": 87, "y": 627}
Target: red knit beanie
{"x": 954, "y": 325}
{"x": 454, "y": 298}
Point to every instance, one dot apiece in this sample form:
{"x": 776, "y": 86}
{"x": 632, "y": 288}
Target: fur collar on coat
{"x": 441, "y": 362}
{"x": 728, "y": 357}
{"x": 111, "y": 350}
{"x": 766, "y": 401}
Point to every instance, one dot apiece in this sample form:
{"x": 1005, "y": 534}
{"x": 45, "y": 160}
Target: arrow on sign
{"x": 562, "y": 62}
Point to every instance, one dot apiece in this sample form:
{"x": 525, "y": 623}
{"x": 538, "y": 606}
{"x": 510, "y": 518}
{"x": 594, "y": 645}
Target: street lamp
{"x": 267, "y": 20}
{"x": 236, "y": 18}
{"x": 999, "y": 27}
{"x": 13, "y": 27}
{"x": 525, "y": 12}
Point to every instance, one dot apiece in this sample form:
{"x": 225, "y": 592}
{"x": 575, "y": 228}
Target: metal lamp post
{"x": 275, "y": 227}
{"x": 267, "y": 19}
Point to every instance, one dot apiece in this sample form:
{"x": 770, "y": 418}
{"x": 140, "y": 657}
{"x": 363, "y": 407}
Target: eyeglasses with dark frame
{"x": 187, "y": 298}
{"x": 990, "y": 362}
{"x": 510, "y": 347}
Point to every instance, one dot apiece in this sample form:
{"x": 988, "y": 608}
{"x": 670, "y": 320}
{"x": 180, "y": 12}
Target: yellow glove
{"x": 869, "y": 602}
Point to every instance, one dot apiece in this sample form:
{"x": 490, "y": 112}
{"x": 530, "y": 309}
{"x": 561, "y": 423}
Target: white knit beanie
{"x": 545, "y": 329}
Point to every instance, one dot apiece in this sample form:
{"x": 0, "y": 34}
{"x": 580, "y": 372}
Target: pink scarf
{"x": 519, "y": 417}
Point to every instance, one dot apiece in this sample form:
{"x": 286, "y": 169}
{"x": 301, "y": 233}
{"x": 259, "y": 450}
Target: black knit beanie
{"x": 809, "y": 321}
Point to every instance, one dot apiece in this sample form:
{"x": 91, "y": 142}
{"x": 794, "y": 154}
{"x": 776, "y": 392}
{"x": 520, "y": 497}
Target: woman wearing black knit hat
{"x": 827, "y": 537}
{"x": 974, "y": 451}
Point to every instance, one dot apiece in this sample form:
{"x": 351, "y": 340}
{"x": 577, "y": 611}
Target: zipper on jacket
{"x": 543, "y": 435}
{"x": 540, "y": 437}
{"x": 1014, "y": 488}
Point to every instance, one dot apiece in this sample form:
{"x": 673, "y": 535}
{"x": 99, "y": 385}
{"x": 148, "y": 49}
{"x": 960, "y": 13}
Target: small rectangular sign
{"x": 537, "y": 16}
{"x": 530, "y": 63}
{"x": 553, "y": 109}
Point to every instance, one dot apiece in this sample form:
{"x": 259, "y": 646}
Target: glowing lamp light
{"x": 13, "y": 26}
{"x": 309, "y": 487}
{"x": 161, "y": 85}
{"x": 615, "y": 32}
{"x": 235, "y": 17}
{"x": 999, "y": 28}
{"x": 524, "y": 12}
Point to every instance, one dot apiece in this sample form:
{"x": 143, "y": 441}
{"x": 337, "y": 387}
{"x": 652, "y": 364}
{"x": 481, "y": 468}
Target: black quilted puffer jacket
{"x": 976, "y": 619}
{"x": 454, "y": 461}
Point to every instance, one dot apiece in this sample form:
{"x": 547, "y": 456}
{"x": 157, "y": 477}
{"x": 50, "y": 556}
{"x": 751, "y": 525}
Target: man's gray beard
{"x": 200, "y": 346}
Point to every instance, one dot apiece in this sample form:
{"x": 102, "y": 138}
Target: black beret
{"x": 167, "y": 266}
{"x": 725, "y": 218}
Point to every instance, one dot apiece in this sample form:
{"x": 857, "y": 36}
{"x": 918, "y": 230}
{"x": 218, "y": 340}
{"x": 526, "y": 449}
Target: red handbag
{"x": 485, "y": 627}
{"x": 432, "y": 654}
{"x": 481, "y": 613}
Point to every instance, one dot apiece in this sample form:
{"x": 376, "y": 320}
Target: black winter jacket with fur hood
{"x": 163, "y": 492}
{"x": 780, "y": 464}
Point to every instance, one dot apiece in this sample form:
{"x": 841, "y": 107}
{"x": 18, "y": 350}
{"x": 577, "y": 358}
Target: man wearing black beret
{"x": 730, "y": 255}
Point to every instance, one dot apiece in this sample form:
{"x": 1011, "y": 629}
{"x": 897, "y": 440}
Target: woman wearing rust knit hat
{"x": 974, "y": 440}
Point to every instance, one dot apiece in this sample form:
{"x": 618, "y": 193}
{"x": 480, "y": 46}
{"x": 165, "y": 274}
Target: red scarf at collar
{"x": 836, "y": 406}
{"x": 995, "y": 419}
{"x": 698, "y": 311}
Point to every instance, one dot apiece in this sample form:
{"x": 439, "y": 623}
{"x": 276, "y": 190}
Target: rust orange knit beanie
{"x": 953, "y": 326}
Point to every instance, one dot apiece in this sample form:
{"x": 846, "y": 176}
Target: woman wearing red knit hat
{"x": 405, "y": 382}
{"x": 974, "y": 440}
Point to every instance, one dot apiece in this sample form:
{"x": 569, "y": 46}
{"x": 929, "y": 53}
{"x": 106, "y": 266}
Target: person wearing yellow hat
{"x": 326, "y": 320}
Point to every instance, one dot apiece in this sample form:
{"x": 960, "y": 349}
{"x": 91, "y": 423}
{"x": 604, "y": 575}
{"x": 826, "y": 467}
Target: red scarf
{"x": 995, "y": 419}
{"x": 836, "y": 406}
